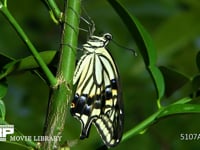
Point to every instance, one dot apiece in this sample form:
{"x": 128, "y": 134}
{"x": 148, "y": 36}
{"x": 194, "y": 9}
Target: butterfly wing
{"x": 98, "y": 98}
{"x": 110, "y": 122}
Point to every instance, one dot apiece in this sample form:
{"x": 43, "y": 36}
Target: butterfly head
{"x": 107, "y": 36}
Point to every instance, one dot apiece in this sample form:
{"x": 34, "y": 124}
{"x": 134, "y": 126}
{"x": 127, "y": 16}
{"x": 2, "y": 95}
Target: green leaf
{"x": 4, "y": 59}
{"x": 179, "y": 109}
{"x": 144, "y": 43}
{"x": 158, "y": 81}
{"x": 173, "y": 80}
{"x": 2, "y": 110}
{"x": 183, "y": 100}
{"x": 27, "y": 63}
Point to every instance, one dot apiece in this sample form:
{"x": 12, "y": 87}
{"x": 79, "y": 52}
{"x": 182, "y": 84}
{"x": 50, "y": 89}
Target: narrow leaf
{"x": 2, "y": 110}
{"x": 179, "y": 109}
{"x": 183, "y": 100}
{"x": 4, "y": 59}
{"x": 144, "y": 43}
{"x": 26, "y": 63}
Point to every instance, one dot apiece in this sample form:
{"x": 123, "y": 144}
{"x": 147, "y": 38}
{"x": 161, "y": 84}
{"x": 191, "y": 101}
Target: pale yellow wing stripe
{"x": 98, "y": 73}
{"x": 106, "y": 56}
{"x": 82, "y": 63}
{"x": 85, "y": 75}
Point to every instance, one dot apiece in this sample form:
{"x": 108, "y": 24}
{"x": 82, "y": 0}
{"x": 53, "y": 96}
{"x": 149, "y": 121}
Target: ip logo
{"x": 5, "y": 130}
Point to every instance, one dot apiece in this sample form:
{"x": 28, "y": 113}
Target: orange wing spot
{"x": 73, "y": 105}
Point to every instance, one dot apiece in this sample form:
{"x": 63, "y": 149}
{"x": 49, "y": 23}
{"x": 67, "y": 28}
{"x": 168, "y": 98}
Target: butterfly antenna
{"x": 130, "y": 49}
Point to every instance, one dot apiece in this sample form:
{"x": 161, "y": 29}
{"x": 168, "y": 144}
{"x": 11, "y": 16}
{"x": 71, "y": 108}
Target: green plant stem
{"x": 54, "y": 11}
{"x": 141, "y": 127}
{"x": 57, "y": 109}
{"x": 52, "y": 80}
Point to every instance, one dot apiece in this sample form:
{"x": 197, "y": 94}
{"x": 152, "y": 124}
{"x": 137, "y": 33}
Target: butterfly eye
{"x": 107, "y": 36}
{"x": 97, "y": 98}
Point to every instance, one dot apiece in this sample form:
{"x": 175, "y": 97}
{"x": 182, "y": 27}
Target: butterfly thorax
{"x": 95, "y": 42}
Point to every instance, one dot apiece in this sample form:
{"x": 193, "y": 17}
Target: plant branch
{"x": 57, "y": 109}
{"x": 54, "y": 11}
{"x": 52, "y": 80}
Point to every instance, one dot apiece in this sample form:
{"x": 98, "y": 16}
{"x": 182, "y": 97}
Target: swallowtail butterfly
{"x": 98, "y": 98}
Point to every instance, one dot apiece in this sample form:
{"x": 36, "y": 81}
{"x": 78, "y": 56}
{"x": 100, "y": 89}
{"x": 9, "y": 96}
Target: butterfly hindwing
{"x": 97, "y": 98}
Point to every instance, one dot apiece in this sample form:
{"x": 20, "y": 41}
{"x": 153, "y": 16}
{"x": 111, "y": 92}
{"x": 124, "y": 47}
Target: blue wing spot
{"x": 108, "y": 93}
{"x": 114, "y": 84}
{"x": 87, "y": 110}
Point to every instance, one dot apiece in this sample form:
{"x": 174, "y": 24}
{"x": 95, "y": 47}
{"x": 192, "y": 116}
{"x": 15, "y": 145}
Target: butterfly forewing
{"x": 98, "y": 98}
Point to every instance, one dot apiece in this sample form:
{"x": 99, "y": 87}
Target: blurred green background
{"x": 174, "y": 26}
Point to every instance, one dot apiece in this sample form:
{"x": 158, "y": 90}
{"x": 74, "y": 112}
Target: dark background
{"x": 174, "y": 26}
